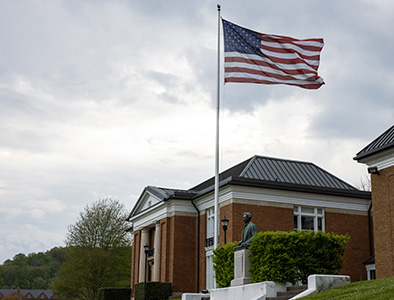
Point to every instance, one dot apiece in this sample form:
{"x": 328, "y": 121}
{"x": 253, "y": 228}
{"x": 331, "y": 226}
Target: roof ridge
{"x": 382, "y": 142}
{"x": 285, "y": 159}
{"x": 251, "y": 160}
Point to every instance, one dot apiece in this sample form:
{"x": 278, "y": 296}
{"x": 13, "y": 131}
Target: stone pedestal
{"x": 241, "y": 268}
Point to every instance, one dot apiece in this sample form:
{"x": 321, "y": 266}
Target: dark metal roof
{"x": 292, "y": 172}
{"x": 167, "y": 193}
{"x": 267, "y": 172}
{"x": 382, "y": 143}
{"x": 275, "y": 173}
{"x": 370, "y": 261}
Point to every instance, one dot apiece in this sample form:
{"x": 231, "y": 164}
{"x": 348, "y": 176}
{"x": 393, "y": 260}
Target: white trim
{"x": 210, "y": 273}
{"x": 149, "y": 217}
{"x": 315, "y": 215}
{"x": 140, "y": 206}
{"x": 300, "y": 198}
{"x": 369, "y": 268}
{"x": 381, "y": 161}
{"x": 282, "y": 197}
{"x": 233, "y": 193}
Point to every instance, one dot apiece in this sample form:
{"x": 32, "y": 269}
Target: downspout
{"x": 198, "y": 247}
{"x": 370, "y": 230}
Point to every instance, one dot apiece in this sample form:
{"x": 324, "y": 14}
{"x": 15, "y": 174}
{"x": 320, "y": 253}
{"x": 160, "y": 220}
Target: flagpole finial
{"x": 218, "y": 7}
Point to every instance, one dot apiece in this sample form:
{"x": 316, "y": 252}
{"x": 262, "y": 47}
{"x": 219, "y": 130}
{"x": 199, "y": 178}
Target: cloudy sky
{"x": 104, "y": 97}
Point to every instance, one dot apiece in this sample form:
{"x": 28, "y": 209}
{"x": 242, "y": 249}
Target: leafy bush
{"x": 154, "y": 290}
{"x": 223, "y": 264}
{"x": 114, "y": 293}
{"x": 293, "y": 256}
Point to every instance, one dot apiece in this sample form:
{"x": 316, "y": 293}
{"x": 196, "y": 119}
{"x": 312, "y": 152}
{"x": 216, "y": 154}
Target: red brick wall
{"x": 357, "y": 249}
{"x": 135, "y": 252}
{"x": 270, "y": 218}
{"x": 184, "y": 253}
{"x": 383, "y": 221}
{"x": 178, "y": 253}
{"x": 164, "y": 250}
{"x": 266, "y": 218}
{"x": 178, "y": 244}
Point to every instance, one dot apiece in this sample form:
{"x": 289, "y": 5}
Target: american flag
{"x": 270, "y": 59}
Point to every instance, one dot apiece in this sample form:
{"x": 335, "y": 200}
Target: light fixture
{"x": 373, "y": 170}
{"x": 224, "y": 225}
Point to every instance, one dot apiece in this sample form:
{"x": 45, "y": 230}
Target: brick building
{"x": 379, "y": 157}
{"x": 29, "y": 294}
{"x": 281, "y": 195}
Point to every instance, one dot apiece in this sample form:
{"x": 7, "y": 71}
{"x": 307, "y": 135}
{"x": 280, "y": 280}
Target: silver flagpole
{"x": 217, "y": 212}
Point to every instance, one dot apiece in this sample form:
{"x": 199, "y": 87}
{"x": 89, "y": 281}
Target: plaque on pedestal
{"x": 241, "y": 268}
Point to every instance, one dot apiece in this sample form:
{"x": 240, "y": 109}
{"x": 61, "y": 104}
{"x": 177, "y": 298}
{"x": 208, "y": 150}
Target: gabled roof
{"x": 382, "y": 143}
{"x": 23, "y": 292}
{"x": 263, "y": 172}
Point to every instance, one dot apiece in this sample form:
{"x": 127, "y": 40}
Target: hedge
{"x": 223, "y": 264}
{"x": 114, "y": 293}
{"x": 154, "y": 290}
{"x": 284, "y": 256}
{"x": 293, "y": 256}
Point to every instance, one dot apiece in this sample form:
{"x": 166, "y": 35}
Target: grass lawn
{"x": 380, "y": 289}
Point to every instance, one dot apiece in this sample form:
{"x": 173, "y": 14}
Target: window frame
{"x": 318, "y": 213}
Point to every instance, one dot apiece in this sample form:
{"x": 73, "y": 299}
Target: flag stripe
{"x": 308, "y": 44}
{"x": 278, "y": 60}
{"x": 230, "y": 67}
{"x": 245, "y": 79}
{"x": 290, "y": 52}
{"x": 258, "y": 60}
{"x": 290, "y": 58}
{"x": 274, "y": 76}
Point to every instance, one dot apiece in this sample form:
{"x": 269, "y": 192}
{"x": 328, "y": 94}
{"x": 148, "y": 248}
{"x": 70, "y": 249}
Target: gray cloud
{"x": 103, "y": 98}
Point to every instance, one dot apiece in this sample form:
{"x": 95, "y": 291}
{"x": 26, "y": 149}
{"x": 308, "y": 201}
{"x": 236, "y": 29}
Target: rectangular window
{"x": 210, "y": 273}
{"x": 308, "y": 218}
{"x": 210, "y": 222}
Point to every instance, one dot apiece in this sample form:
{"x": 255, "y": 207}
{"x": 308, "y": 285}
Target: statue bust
{"x": 248, "y": 232}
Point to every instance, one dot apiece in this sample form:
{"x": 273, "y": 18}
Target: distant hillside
{"x": 34, "y": 271}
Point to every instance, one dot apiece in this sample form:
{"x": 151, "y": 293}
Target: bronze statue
{"x": 248, "y": 232}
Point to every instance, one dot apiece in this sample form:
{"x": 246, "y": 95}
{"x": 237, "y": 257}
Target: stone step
{"x": 297, "y": 288}
{"x": 291, "y": 292}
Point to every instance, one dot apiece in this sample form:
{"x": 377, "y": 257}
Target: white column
{"x": 144, "y": 241}
{"x": 156, "y": 265}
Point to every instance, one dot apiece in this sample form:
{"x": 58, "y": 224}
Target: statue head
{"x": 247, "y": 217}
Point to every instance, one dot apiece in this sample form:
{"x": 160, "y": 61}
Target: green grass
{"x": 380, "y": 289}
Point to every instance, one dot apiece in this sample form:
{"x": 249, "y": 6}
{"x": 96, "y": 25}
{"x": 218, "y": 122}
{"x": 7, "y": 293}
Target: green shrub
{"x": 114, "y": 293}
{"x": 154, "y": 290}
{"x": 293, "y": 256}
{"x": 223, "y": 264}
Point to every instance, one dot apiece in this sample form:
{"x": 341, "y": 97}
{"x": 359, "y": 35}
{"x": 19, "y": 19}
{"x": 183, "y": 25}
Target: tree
{"x": 98, "y": 252}
{"x": 365, "y": 183}
{"x": 34, "y": 271}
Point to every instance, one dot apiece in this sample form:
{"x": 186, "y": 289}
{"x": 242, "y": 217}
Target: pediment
{"x": 146, "y": 200}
